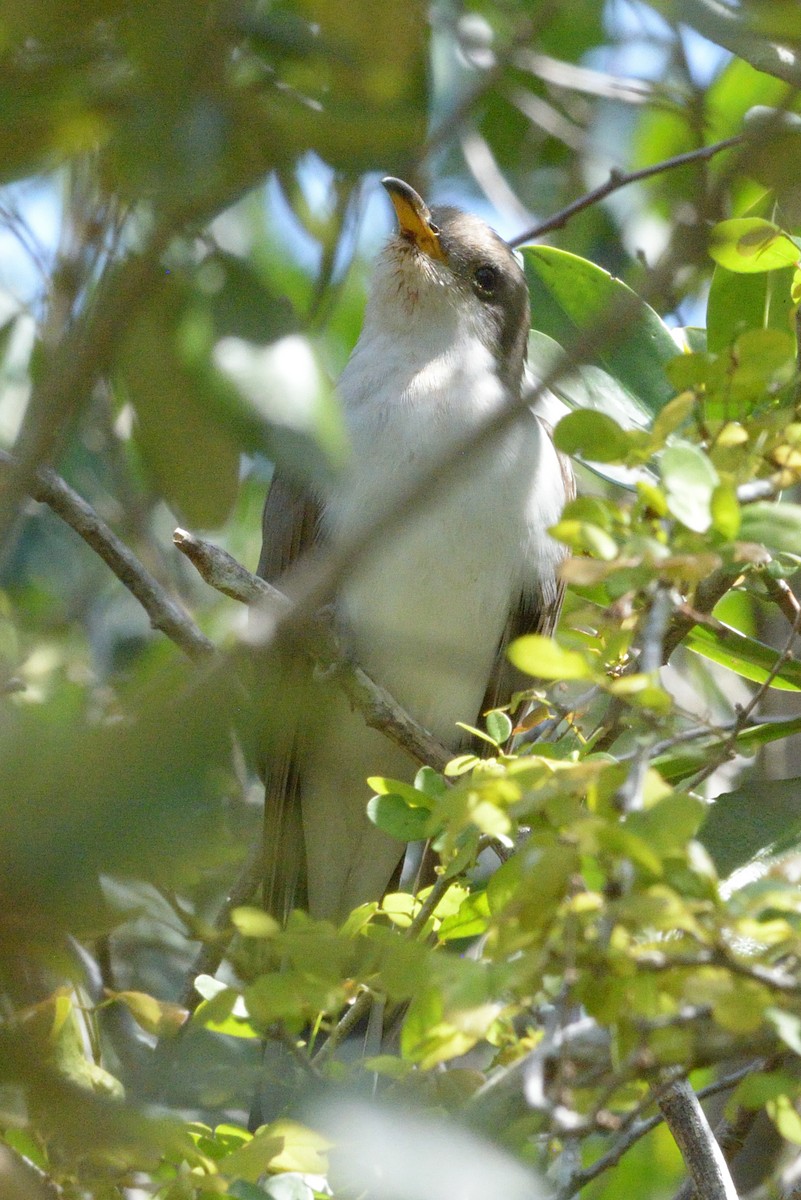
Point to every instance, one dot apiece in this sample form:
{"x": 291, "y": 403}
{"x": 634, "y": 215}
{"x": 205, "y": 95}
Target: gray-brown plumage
{"x": 430, "y": 610}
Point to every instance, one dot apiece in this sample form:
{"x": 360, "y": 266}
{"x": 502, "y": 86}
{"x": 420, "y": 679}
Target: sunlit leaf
{"x": 569, "y": 294}
{"x": 745, "y": 656}
{"x": 543, "y": 658}
{"x": 591, "y": 435}
{"x": 750, "y": 244}
{"x": 690, "y": 481}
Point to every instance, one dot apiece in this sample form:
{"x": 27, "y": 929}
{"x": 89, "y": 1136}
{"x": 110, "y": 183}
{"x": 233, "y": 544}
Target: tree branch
{"x": 702, "y": 1155}
{"x": 620, "y": 179}
{"x": 165, "y": 614}
{"x": 636, "y": 1130}
{"x": 377, "y": 706}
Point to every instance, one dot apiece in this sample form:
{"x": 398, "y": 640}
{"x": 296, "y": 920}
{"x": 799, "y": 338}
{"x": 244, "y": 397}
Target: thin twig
{"x": 212, "y": 953}
{"x": 361, "y": 1006}
{"x": 630, "y": 793}
{"x": 279, "y": 1033}
{"x": 621, "y": 179}
{"x": 21, "y": 1179}
{"x": 357, "y": 1011}
{"x": 783, "y": 596}
{"x": 729, "y": 746}
{"x": 165, "y": 613}
{"x": 771, "y": 977}
{"x": 431, "y": 901}
{"x": 707, "y": 595}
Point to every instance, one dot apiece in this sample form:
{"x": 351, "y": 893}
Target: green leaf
{"x": 252, "y": 1159}
{"x": 744, "y": 655}
{"x": 430, "y": 783}
{"x": 762, "y": 735}
{"x": 773, "y": 133}
{"x": 412, "y": 796}
{"x": 585, "y": 538}
{"x": 544, "y": 659}
{"x": 725, "y": 511}
{"x": 775, "y": 526}
{"x": 756, "y": 1089}
{"x": 243, "y": 1190}
{"x": 155, "y": 1016}
{"x": 788, "y": 1027}
{"x": 669, "y": 824}
{"x": 690, "y": 481}
{"x": 499, "y": 726}
{"x": 190, "y": 452}
{"x": 470, "y": 921}
{"x": 395, "y": 816}
{"x": 304, "y": 1149}
{"x": 742, "y": 823}
{"x": 587, "y": 386}
{"x": 740, "y": 302}
{"x": 254, "y": 922}
{"x": 241, "y": 303}
{"x": 570, "y": 294}
{"x": 679, "y": 764}
{"x": 225, "y": 1013}
{"x": 784, "y": 1116}
{"x": 749, "y": 244}
{"x": 591, "y": 435}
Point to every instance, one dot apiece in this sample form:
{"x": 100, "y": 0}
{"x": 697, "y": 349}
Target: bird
{"x": 430, "y": 609}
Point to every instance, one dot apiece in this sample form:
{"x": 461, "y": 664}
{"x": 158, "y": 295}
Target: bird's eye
{"x": 485, "y": 279}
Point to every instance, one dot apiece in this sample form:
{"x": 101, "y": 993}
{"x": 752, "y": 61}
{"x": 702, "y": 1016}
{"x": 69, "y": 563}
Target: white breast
{"x": 425, "y": 611}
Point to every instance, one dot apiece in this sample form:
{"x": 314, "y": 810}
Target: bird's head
{"x": 445, "y": 267}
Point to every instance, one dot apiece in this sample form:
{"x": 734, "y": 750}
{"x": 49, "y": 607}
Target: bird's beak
{"x": 414, "y": 218}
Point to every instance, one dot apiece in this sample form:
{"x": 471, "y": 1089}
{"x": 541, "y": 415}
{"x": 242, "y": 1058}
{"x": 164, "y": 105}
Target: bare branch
{"x": 378, "y": 707}
{"x": 702, "y": 1155}
{"x": 707, "y": 594}
{"x": 165, "y": 614}
{"x": 620, "y": 179}
{"x": 637, "y": 1130}
{"x": 21, "y": 1179}
{"x": 221, "y": 571}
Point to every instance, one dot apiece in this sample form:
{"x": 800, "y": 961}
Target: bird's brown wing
{"x": 536, "y": 611}
{"x": 290, "y": 526}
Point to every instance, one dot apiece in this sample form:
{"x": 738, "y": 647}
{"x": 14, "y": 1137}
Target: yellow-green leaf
{"x": 542, "y": 657}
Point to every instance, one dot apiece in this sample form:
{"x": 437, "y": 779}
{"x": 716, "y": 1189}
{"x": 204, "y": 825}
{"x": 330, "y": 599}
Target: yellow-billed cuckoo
{"x": 430, "y": 609}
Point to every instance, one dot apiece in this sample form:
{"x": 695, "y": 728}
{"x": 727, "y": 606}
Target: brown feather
{"x": 290, "y": 527}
